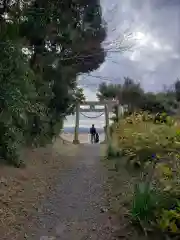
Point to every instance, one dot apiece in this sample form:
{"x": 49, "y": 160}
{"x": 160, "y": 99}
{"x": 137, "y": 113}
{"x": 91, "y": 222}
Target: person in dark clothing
{"x": 97, "y": 138}
{"x": 93, "y": 133}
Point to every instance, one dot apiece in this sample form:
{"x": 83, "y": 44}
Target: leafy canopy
{"x": 46, "y": 44}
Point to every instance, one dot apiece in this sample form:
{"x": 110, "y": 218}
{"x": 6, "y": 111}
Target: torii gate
{"x": 108, "y": 107}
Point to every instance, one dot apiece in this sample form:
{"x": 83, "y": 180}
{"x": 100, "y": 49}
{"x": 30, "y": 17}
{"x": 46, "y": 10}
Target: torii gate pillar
{"x": 107, "y": 108}
{"x": 106, "y": 128}
{"x": 76, "y": 129}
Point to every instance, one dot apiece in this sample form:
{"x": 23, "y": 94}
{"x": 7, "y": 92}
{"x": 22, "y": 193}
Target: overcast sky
{"x": 153, "y": 28}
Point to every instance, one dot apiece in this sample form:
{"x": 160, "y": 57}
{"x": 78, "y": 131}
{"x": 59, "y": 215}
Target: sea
{"x": 84, "y": 136}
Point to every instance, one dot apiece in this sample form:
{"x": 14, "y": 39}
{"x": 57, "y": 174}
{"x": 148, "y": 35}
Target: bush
{"x": 154, "y": 148}
{"x": 169, "y": 220}
{"x": 112, "y": 152}
{"x": 145, "y": 201}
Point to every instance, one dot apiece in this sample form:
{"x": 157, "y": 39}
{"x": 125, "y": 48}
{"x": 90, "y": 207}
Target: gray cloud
{"x": 155, "y": 58}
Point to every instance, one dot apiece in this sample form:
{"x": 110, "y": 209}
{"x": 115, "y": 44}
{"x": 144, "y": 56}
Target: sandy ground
{"x": 22, "y": 190}
{"x": 83, "y": 137}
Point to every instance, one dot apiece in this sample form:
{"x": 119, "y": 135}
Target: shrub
{"x": 144, "y": 202}
{"x": 169, "y": 220}
{"x": 112, "y": 152}
{"x": 153, "y": 147}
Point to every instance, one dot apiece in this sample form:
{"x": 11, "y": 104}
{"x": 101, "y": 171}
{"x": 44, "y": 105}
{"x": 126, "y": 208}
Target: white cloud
{"x": 155, "y": 57}
{"x": 90, "y": 95}
{"x": 154, "y": 60}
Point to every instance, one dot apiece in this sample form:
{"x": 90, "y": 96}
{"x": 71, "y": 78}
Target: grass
{"x": 144, "y": 172}
{"x": 21, "y": 190}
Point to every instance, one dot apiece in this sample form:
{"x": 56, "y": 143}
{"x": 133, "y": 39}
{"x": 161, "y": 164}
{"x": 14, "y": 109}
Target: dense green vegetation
{"x": 144, "y": 160}
{"x": 44, "y": 46}
{"x": 131, "y": 93}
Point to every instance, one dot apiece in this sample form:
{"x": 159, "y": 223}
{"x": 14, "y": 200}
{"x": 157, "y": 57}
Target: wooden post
{"x": 76, "y": 129}
{"x": 120, "y": 111}
{"x": 107, "y": 134}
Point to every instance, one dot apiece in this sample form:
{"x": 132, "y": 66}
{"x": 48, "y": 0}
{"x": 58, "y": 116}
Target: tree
{"x": 129, "y": 93}
{"x": 108, "y": 91}
{"x": 152, "y": 103}
{"x": 61, "y": 39}
{"x": 177, "y": 89}
{"x": 17, "y": 91}
{"x": 61, "y": 52}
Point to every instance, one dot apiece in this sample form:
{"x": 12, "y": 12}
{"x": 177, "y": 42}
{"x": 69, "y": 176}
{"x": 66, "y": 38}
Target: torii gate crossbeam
{"x": 108, "y": 106}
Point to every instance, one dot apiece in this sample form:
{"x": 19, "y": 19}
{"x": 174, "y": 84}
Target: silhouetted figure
{"x": 93, "y": 133}
{"x": 97, "y": 138}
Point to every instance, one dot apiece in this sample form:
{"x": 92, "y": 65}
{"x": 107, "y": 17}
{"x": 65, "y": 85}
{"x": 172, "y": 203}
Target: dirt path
{"x": 74, "y": 209}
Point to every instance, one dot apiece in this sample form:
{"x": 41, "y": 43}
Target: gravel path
{"x": 74, "y": 211}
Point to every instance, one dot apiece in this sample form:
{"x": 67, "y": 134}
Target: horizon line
{"x": 72, "y": 126}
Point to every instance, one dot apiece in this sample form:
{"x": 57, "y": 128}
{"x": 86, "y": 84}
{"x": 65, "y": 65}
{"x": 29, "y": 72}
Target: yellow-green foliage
{"x": 169, "y": 220}
{"x": 112, "y": 152}
{"x": 155, "y": 149}
{"x": 140, "y": 139}
{"x": 139, "y": 117}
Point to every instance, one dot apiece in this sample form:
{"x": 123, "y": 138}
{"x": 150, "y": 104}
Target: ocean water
{"x": 83, "y": 137}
